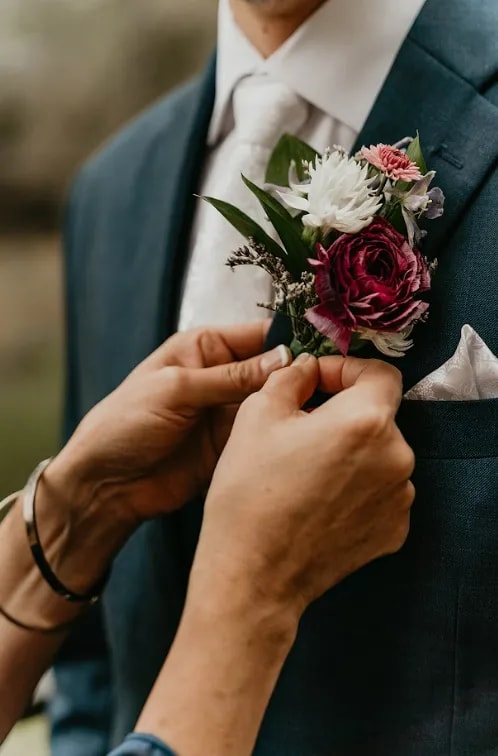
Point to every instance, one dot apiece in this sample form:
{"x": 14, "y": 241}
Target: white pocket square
{"x": 471, "y": 374}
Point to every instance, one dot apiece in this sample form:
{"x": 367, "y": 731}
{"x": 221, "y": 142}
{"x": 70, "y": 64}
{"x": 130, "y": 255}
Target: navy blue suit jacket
{"x": 401, "y": 659}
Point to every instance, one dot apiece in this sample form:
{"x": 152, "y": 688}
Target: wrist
{"x": 236, "y": 567}
{"x": 222, "y": 669}
{"x": 233, "y": 598}
{"x": 82, "y": 523}
{"x": 25, "y": 595}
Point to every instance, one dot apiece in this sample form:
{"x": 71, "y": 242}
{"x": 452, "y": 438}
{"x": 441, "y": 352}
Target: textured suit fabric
{"x": 400, "y": 659}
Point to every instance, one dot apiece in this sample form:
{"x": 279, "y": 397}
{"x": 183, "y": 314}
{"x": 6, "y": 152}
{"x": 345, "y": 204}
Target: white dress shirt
{"x": 337, "y": 61}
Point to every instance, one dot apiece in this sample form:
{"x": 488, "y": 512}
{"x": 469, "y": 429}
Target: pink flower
{"x": 368, "y": 281}
{"x": 394, "y": 163}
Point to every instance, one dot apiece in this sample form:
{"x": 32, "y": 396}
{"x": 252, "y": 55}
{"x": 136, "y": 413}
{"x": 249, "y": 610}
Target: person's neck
{"x": 266, "y": 30}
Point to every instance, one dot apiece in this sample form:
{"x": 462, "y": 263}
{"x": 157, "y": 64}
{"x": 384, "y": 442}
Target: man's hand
{"x": 299, "y": 501}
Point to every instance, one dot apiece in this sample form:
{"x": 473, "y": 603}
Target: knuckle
{"x": 403, "y": 460}
{"x": 399, "y": 535}
{"x": 207, "y": 340}
{"x": 174, "y": 341}
{"x": 239, "y": 375}
{"x": 402, "y": 532}
{"x": 408, "y": 460}
{"x": 403, "y": 499}
{"x": 410, "y": 494}
{"x": 275, "y": 380}
{"x": 254, "y": 406}
{"x": 175, "y": 382}
{"x": 181, "y": 342}
{"x": 372, "y": 425}
{"x": 203, "y": 346}
{"x": 388, "y": 370}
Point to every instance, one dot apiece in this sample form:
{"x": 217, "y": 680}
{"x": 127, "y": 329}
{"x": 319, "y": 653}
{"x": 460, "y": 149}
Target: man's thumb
{"x": 297, "y": 383}
{"x": 233, "y": 382}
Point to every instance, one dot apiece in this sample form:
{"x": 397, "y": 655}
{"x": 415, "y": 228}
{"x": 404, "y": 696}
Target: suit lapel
{"x": 152, "y": 243}
{"x": 137, "y": 245}
{"x": 177, "y": 201}
{"x": 458, "y": 127}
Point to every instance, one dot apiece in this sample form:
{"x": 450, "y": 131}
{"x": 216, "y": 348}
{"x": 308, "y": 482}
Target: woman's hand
{"x": 156, "y": 439}
{"x": 298, "y": 501}
{"x": 148, "y": 447}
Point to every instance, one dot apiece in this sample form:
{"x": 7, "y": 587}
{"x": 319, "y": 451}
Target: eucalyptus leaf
{"x": 288, "y": 228}
{"x": 288, "y": 149}
{"x": 415, "y": 154}
{"x": 246, "y": 226}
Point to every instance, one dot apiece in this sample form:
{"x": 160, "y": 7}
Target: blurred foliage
{"x": 30, "y": 355}
{"x": 29, "y": 410}
{"x": 71, "y": 72}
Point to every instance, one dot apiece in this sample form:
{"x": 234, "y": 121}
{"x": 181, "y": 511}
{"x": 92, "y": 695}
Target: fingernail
{"x": 278, "y": 358}
{"x": 302, "y": 358}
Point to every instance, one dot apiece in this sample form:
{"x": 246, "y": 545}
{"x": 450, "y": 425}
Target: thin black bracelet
{"x": 33, "y": 629}
{"x": 36, "y": 548}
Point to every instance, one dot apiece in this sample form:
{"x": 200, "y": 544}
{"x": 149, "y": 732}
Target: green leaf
{"x": 288, "y": 149}
{"x": 288, "y": 228}
{"x": 415, "y": 153}
{"x": 246, "y": 226}
{"x": 268, "y": 200}
{"x": 395, "y": 218}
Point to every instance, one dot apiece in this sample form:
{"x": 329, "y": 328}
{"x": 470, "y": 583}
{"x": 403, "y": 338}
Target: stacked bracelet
{"x": 29, "y": 515}
{"x": 5, "y": 507}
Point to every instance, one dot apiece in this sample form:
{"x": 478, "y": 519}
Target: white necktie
{"x": 213, "y": 294}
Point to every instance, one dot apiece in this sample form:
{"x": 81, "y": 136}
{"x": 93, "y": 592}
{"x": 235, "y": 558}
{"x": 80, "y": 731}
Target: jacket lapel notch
{"x": 458, "y": 127}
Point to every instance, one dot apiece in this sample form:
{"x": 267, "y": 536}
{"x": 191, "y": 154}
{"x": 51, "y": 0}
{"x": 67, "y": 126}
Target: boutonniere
{"x": 347, "y": 268}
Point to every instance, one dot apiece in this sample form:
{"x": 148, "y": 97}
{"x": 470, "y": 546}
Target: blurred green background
{"x": 71, "y": 71}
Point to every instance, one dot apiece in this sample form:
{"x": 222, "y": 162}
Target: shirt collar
{"x": 335, "y": 60}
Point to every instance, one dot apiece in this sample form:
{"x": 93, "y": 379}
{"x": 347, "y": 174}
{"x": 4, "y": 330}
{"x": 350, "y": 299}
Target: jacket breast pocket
{"x": 451, "y": 430}
{"x": 452, "y": 550}
{"x": 400, "y": 658}
{"x": 455, "y": 516}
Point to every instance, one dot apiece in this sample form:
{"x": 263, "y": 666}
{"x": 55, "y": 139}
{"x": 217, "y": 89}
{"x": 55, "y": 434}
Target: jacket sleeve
{"x": 143, "y": 745}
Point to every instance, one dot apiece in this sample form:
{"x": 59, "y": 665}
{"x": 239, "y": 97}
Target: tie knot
{"x": 264, "y": 109}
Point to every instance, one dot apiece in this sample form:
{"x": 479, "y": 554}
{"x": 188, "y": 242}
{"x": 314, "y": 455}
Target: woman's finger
{"x": 210, "y": 346}
{"x": 295, "y": 385}
{"x": 245, "y": 340}
{"x": 224, "y": 384}
{"x": 370, "y": 378}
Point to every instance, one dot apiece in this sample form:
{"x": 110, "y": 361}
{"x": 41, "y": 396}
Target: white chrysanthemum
{"x": 337, "y": 197}
{"x": 390, "y": 344}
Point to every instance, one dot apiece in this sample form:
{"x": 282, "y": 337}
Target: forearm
{"x": 215, "y": 685}
{"x": 22, "y": 662}
{"x": 78, "y": 540}
{"x": 24, "y": 655}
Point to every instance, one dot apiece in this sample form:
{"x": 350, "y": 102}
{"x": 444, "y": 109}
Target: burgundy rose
{"x": 368, "y": 281}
